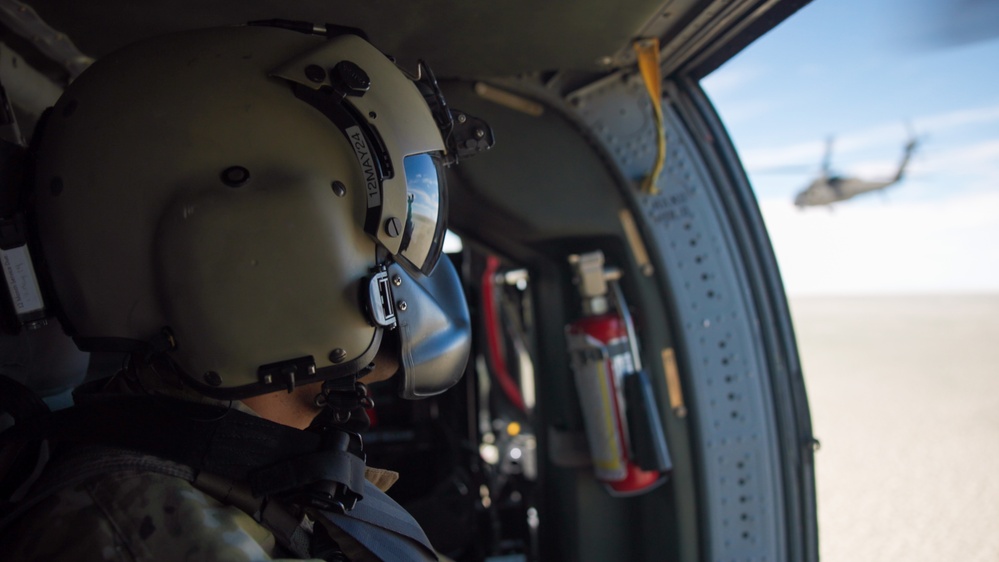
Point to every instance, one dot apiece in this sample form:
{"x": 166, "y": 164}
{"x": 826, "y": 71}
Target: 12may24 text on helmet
{"x": 257, "y": 200}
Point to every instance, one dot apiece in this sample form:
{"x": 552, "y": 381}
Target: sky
{"x": 868, "y": 74}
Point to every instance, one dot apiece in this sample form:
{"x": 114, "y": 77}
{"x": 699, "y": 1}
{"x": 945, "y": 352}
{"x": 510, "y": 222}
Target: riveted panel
{"x": 721, "y": 354}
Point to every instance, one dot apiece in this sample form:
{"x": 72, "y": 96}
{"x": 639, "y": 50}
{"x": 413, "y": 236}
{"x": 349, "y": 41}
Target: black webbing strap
{"x": 378, "y": 513}
{"x": 269, "y": 457}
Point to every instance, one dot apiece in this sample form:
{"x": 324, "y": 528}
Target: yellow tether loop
{"x": 647, "y": 51}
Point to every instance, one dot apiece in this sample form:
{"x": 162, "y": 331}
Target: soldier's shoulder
{"x": 134, "y": 515}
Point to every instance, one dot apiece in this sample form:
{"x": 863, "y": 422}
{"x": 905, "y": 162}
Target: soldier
{"x": 254, "y": 217}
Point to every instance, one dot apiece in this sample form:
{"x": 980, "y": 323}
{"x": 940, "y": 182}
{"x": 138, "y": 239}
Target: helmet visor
{"x": 426, "y": 216}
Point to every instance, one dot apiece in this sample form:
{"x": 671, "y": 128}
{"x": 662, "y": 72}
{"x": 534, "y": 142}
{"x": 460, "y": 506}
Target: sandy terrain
{"x": 904, "y": 394}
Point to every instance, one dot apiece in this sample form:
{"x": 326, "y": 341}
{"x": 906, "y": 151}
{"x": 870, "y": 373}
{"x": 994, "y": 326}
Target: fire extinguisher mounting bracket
{"x": 591, "y": 279}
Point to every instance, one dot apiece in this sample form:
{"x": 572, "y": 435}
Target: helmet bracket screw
{"x": 315, "y": 73}
{"x": 350, "y": 79}
{"x": 403, "y": 305}
{"x": 212, "y": 378}
{"x": 393, "y": 227}
{"x": 235, "y": 176}
{"x": 338, "y": 355}
{"x": 397, "y": 281}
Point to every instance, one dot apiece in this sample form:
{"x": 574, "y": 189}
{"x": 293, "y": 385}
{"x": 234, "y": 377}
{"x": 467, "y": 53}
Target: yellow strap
{"x": 647, "y": 51}
{"x": 673, "y": 383}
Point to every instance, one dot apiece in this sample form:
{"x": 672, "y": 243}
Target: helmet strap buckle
{"x": 380, "y": 300}
{"x": 331, "y": 478}
{"x": 343, "y": 397}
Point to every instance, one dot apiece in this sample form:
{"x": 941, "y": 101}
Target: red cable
{"x": 506, "y": 382}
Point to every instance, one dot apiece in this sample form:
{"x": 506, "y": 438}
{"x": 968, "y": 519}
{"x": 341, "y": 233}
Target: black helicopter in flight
{"x": 831, "y": 188}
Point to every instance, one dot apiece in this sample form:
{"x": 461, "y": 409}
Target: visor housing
{"x": 434, "y": 330}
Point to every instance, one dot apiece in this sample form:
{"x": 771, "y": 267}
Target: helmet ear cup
{"x": 276, "y": 263}
{"x": 434, "y": 330}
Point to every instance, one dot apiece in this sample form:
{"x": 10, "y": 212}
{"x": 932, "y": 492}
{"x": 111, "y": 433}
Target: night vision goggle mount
{"x": 464, "y": 135}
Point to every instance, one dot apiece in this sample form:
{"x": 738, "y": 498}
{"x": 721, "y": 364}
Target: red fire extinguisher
{"x": 622, "y": 421}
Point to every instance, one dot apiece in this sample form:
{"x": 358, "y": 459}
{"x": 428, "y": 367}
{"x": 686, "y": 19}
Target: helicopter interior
{"x": 499, "y": 467}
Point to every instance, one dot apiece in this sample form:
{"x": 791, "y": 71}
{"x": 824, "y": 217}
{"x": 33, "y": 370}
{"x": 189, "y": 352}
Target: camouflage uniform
{"x": 134, "y": 516}
{"x": 130, "y": 514}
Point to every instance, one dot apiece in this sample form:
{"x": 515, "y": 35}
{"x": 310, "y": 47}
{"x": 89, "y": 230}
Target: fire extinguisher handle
{"x": 629, "y": 325}
{"x": 645, "y": 428}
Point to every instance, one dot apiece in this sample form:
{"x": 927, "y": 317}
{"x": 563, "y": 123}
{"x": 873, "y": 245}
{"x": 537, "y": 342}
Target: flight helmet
{"x": 258, "y": 204}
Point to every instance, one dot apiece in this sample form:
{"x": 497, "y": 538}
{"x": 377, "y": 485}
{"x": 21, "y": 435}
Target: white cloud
{"x": 729, "y": 80}
{"x": 874, "y": 138}
{"x": 747, "y": 109}
{"x": 984, "y": 154}
{"x": 974, "y": 116}
{"x": 762, "y": 159}
{"x": 877, "y": 247}
{"x": 726, "y": 89}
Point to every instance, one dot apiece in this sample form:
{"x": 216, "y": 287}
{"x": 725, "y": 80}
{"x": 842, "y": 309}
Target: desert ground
{"x": 904, "y": 394}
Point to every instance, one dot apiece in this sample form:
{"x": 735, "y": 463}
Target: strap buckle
{"x": 343, "y": 474}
